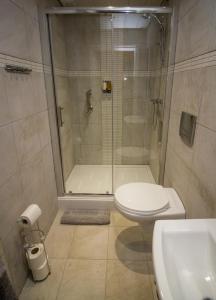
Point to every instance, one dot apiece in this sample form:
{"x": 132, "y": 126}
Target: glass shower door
{"x": 81, "y": 46}
{"x": 136, "y": 40}
{"x": 110, "y": 134}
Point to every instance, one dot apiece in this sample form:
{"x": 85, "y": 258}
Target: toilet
{"x": 140, "y": 201}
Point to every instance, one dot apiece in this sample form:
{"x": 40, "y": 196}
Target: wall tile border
{"x": 201, "y": 61}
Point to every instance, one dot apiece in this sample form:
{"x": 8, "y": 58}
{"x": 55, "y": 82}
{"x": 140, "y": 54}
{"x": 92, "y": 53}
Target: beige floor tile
{"x": 59, "y": 240}
{"x": 147, "y": 232}
{"x": 89, "y": 242}
{"x": 47, "y": 289}
{"x": 148, "y": 228}
{"x": 83, "y": 280}
{"x": 118, "y": 219}
{"x": 126, "y": 243}
{"x": 152, "y": 278}
{"x": 128, "y": 280}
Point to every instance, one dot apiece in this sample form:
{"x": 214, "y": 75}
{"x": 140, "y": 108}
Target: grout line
{"x": 61, "y": 280}
{"x": 202, "y": 125}
{"x": 72, "y": 241}
{"x": 151, "y": 279}
{"x": 66, "y": 260}
{"x": 22, "y": 119}
{"x": 102, "y": 259}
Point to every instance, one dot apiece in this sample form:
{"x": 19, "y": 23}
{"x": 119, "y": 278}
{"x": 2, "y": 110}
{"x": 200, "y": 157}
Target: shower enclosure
{"x": 109, "y": 70}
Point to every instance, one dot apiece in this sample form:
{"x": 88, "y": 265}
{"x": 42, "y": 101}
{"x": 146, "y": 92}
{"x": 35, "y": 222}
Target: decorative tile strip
{"x": 201, "y": 61}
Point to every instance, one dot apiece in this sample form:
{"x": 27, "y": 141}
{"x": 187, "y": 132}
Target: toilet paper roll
{"x": 30, "y": 215}
{"x": 41, "y": 273}
{"x": 36, "y": 256}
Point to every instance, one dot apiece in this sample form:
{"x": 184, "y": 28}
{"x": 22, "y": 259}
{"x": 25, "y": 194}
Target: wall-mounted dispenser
{"x": 107, "y": 86}
{"x": 187, "y": 128}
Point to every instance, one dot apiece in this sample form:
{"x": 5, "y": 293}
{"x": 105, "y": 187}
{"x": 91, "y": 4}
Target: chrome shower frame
{"x": 110, "y": 9}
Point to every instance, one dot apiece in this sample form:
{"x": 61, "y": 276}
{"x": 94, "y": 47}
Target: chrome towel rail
{"x": 17, "y": 69}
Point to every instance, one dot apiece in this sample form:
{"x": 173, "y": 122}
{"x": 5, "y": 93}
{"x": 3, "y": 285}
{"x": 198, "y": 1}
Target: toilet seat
{"x": 142, "y": 199}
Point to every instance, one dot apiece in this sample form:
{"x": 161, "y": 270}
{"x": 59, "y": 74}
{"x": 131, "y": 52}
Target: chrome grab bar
{"x": 17, "y": 69}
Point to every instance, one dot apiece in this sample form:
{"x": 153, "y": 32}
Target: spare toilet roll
{"x": 36, "y": 256}
{"x": 42, "y": 272}
{"x": 30, "y": 215}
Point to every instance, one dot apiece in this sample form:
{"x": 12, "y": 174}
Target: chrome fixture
{"x": 59, "y": 116}
{"x": 110, "y": 9}
{"x": 156, "y": 102}
{"x": 162, "y": 37}
{"x": 148, "y": 18}
{"x": 17, "y": 69}
{"x": 88, "y": 101}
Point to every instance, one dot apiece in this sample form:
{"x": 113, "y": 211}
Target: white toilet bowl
{"x": 140, "y": 201}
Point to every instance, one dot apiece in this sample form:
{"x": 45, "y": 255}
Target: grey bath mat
{"x": 86, "y": 217}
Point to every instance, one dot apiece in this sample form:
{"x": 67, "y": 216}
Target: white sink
{"x": 184, "y": 257}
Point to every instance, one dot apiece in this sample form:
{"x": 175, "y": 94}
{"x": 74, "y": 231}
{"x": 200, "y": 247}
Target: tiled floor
{"x": 98, "y": 178}
{"x": 110, "y": 262}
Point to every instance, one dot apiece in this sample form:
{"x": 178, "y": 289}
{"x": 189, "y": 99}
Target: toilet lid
{"x": 142, "y": 197}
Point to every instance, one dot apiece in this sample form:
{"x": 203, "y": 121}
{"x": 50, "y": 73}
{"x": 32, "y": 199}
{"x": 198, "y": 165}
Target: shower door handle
{"x": 88, "y": 101}
{"x": 156, "y": 102}
{"x": 59, "y": 116}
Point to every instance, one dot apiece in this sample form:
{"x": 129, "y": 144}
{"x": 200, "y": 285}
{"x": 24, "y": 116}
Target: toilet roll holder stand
{"x": 27, "y": 234}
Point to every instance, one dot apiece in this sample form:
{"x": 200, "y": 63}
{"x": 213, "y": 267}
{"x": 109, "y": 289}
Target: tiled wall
{"x": 83, "y": 46}
{"x": 26, "y": 164}
{"x": 192, "y": 170}
{"x": 90, "y": 60}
